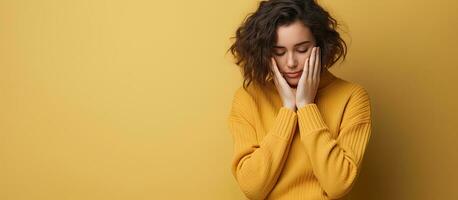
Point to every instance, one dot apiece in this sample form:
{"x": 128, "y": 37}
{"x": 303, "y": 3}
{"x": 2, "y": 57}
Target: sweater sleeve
{"x": 256, "y": 165}
{"x": 336, "y": 162}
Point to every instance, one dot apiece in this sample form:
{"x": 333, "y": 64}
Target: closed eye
{"x": 300, "y": 51}
{"x": 303, "y": 51}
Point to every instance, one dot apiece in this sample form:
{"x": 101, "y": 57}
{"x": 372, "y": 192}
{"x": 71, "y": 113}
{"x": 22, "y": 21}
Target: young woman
{"x": 299, "y": 132}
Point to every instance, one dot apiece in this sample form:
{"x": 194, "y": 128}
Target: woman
{"x": 299, "y": 132}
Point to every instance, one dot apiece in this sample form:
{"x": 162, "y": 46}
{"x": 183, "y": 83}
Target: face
{"x": 294, "y": 45}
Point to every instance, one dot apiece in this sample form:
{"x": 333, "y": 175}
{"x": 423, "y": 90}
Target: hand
{"x": 286, "y": 93}
{"x": 308, "y": 83}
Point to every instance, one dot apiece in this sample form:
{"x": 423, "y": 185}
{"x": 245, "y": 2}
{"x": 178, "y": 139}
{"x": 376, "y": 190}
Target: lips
{"x": 293, "y": 75}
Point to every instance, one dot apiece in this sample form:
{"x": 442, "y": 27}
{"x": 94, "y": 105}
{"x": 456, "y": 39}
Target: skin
{"x": 292, "y": 54}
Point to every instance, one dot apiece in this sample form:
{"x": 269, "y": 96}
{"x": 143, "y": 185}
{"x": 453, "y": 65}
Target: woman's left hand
{"x": 308, "y": 83}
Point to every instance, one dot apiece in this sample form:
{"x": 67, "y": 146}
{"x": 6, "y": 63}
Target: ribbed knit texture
{"x": 313, "y": 153}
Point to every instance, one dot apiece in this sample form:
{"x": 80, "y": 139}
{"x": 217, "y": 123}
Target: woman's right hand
{"x": 286, "y": 93}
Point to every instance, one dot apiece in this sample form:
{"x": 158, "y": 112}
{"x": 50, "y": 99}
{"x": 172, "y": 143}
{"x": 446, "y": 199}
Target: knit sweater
{"x": 312, "y": 153}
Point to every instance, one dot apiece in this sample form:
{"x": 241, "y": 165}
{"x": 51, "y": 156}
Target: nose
{"x": 291, "y": 62}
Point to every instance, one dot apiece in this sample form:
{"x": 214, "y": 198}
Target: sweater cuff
{"x": 310, "y": 118}
{"x": 285, "y": 123}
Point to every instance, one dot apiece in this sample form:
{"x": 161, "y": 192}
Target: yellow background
{"x": 129, "y": 99}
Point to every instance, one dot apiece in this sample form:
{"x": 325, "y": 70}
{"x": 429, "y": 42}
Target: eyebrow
{"x": 304, "y": 42}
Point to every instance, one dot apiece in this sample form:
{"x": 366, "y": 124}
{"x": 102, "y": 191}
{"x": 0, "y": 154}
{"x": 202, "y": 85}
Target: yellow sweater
{"x": 313, "y": 153}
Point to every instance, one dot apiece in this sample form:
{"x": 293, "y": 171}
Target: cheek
{"x": 309, "y": 53}
{"x": 303, "y": 59}
{"x": 281, "y": 63}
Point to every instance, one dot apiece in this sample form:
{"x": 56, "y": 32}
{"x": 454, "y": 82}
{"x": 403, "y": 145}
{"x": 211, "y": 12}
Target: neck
{"x": 326, "y": 78}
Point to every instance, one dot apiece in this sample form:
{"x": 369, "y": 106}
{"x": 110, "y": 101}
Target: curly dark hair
{"x": 256, "y": 36}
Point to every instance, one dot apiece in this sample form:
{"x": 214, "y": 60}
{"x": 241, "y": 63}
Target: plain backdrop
{"x": 129, "y": 99}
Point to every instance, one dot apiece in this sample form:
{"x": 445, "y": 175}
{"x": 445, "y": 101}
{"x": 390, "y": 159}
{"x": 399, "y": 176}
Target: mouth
{"x": 293, "y": 75}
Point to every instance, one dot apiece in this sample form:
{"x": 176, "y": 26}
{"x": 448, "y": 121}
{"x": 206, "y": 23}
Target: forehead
{"x": 288, "y": 35}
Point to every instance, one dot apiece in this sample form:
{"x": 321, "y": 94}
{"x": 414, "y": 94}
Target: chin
{"x": 292, "y": 82}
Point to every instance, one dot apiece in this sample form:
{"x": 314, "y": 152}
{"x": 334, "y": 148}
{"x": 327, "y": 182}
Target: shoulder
{"x": 242, "y": 103}
{"x": 249, "y": 102}
{"x": 250, "y": 94}
{"x": 358, "y": 93}
{"x": 358, "y": 106}
{"x": 243, "y": 95}
{"x": 351, "y": 90}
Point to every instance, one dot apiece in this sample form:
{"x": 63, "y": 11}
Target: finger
{"x": 275, "y": 82}
{"x": 272, "y": 64}
{"x": 304, "y": 73}
{"x": 275, "y": 68}
{"x": 318, "y": 63}
{"x": 311, "y": 63}
{"x": 313, "y": 66}
{"x": 275, "y": 79}
{"x": 278, "y": 76}
{"x": 272, "y": 68}
{"x": 306, "y": 69}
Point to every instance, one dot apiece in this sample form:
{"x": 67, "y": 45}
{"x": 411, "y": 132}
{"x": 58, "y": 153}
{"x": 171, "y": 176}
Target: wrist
{"x": 301, "y": 105}
{"x": 291, "y": 107}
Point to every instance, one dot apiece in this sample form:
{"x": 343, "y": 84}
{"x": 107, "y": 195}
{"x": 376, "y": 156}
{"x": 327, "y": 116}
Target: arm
{"x": 336, "y": 162}
{"x": 257, "y": 165}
